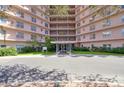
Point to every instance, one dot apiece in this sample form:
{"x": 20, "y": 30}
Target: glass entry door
{"x": 62, "y": 47}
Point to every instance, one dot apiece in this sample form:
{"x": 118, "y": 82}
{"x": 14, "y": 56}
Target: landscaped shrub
{"x": 52, "y": 48}
{"x": 81, "y": 49}
{"x": 8, "y": 52}
{"x": 27, "y": 49}
{"x": 100, "y": 49}
{"x": 119, "y": 50}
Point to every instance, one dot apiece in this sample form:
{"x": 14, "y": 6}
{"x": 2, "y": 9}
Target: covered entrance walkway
{"x": 63, "y": 47}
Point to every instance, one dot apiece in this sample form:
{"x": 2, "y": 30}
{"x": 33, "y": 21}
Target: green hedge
{"x": 81, "y": 49}
{"x": 119, "y": 50}
{"x": 8, "y": 52}
{"x": 100, "y": 49}
{"x": 27, "y": 49}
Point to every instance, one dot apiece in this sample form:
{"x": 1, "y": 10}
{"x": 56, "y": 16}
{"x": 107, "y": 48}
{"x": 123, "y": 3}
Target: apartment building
{"x": 82, "y": 27}
{"x": 24, "y": 24}
{"x": 101, "y": 26}
{"x": 62, "y": 29}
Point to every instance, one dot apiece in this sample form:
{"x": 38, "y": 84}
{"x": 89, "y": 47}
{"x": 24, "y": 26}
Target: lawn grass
{"x": 96, "y": 53}
{"x": 73, "y": 52}
{"x": 36, "y": 53}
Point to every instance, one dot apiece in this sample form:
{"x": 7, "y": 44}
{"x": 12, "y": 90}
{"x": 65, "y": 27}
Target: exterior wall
{"x": 87, "y": 25}
{"x": 83, "y": 26}
{"x": 11, "y": 28}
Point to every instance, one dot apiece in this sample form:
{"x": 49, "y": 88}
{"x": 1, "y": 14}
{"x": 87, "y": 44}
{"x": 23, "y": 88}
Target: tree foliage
{"x": 59, "y": 10}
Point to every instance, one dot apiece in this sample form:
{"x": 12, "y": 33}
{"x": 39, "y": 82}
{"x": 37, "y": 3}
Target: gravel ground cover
{"x": 25, "y": 76}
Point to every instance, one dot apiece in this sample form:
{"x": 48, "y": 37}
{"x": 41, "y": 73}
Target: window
{"x": 46, "y": 17}
{"x": 78, "y": 31}
{"x": 84, "y": 37}
{"x": 92, "y": 18}
{"x": 122, "y": 45}
{"x": 19, "y": 47}
{"x": 33, "y": 28}
{"x": 107, "y": 34}
{"x": 78, "y": 24}
{"x": 46, "y": 32}
{"x": 3, "y": 7}
{"x": 20, "y": 35}
{"x": 122, "y": 18}
{"x": 33, "y": 19}
{"x": 92, "y": 27}
{"x": 78, "y": 10}
{"x": 33, "y": 37}
{"x": 122, "y": 6}
{"x": 93, "y": 36}
{"x": 46, "y": 24}
{"x": 3, "y": 20}
{"x": 82, "y": 45}
{"x": 19, "y": 24}
{"x": 83, "y": 21}
{"x": 107, "y": 45}
{"x": 107, "y": 22}
{"x": 20, "y": 14}
{"x": 122, "y": 32}
{"x": 92, "y": 46}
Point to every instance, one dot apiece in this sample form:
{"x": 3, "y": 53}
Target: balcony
{"x": 62, "y": 15}
{"x": 55, "y": 28}
{"x": 62, "y": 35}
{"x": 60, "y": 22}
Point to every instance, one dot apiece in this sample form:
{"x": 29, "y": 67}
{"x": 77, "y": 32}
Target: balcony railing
{"x": 62, "y": 34}
{"x": 62, "y": 22}
{"x": 62, "y": 28}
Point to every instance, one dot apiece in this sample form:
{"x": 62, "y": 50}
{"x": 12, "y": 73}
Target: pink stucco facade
{"x": 96, "y": 29}
{"x": 19, "y": 21}
{"x": 83, "y": 26}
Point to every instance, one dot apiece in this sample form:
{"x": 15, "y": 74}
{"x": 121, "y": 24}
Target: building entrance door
{"x": 63, "y": 48}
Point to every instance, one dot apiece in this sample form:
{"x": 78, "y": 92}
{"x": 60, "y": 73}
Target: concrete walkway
{"x": 108, "y": 66}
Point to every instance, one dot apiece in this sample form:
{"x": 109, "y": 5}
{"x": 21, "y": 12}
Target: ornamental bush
{"x": 8, "y": 52}
{"x": 119, "y": 50}
{"x": 81, "y": 49}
